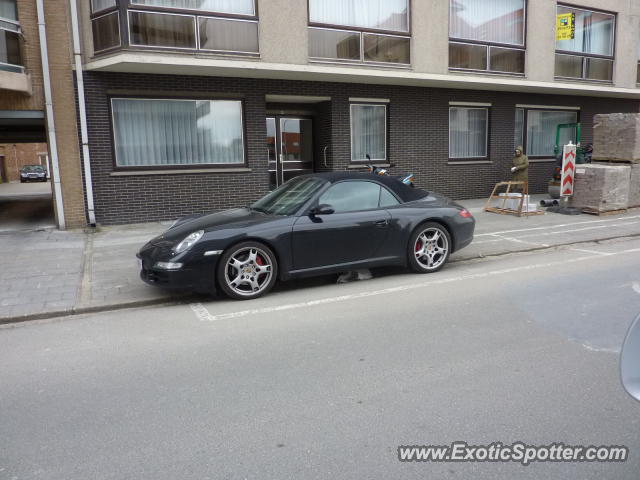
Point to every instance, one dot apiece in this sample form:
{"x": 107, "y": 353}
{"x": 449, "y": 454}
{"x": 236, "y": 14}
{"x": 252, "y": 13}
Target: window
{"x": 178, "y": 24}
{"x": 100, "y": 5}
{"x": 468, "y": 135}
{"x": 387, "y": 199}
{"x": 10, "y": 35}
{"x": 232, "y": 7}
{"x": 487, "y": 35}
{"x": 536, "y": 129}
{"x": 589, "y": 54}
{"x": 106, "y": 31}
{"x": 351, "y": 196}
{"x": 157, "y": 133}
{"x": 369, "y": 31}
{"x": 368, "y": 132}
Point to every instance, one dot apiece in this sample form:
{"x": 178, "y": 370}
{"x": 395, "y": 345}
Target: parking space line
{"x": 203, "y": 314}
{"x": 550, "y": 227}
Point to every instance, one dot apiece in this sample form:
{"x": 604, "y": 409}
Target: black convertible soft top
{"x": 406, "y": 193}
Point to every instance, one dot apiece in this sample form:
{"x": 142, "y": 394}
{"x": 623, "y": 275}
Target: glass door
{"x": 290, "y": 148}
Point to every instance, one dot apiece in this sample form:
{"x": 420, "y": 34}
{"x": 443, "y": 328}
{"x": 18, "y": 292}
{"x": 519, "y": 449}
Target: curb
{"x": 179, "y": 298}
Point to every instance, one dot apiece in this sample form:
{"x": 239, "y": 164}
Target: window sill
{"x": 347, "y": 63}
{"x": 608, "y": 83}
{"x": 486, "y": 72}
{"x": 542, "y": 160}
{"x": 469, "y": 162}
{"x": 177, "y": 171}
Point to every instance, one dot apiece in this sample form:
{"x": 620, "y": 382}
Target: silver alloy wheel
{"x": 431, "y": 248}
{"x": 248, "y": 271}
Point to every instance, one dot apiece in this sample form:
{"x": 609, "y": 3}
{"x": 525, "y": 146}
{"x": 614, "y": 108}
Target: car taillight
{"x": 464, "y": 213}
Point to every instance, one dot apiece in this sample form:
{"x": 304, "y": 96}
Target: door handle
{"x": 381, "y": 223}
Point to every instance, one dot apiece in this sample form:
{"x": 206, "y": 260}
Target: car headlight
{"x": 188, "y": 242}
{"x": 23, "y": 174}
{"x": 41, "y": 174}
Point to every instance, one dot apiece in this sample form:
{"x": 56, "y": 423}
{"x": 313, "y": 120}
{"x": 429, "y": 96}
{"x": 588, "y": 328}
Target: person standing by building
{"x": 520, "y": 169}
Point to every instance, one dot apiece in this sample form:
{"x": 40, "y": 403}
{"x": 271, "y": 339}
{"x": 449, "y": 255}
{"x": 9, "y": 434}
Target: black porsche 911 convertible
{"x": 312, "y": 225}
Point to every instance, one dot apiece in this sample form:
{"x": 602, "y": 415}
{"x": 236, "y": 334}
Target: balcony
{"x": 13, "y": 76}
{"x": 215, "y": 26}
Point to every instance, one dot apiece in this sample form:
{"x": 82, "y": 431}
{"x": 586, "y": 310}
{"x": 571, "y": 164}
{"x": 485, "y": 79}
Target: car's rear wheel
{"x": 247, "y": 270}
{"x": 429, "y": 248}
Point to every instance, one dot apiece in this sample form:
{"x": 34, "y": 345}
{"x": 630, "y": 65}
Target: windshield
{"x": 32, "y": 168}
{"x": 288, "y": 198}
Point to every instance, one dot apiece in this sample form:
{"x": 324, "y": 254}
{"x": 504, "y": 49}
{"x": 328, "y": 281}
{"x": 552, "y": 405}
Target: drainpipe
{"x": 51, "y": 129}
{"x": 77, "y": 55}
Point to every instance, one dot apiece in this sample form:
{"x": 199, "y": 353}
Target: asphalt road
{"x": 321, "y": 381}
{"x": 26, "y": 206}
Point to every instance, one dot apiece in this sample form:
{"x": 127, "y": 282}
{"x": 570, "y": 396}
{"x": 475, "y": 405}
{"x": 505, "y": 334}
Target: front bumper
{"x": 197, "y": 274}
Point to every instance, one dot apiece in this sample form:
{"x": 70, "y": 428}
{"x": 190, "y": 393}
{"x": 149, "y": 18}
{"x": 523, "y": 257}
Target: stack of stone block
{"x": 614, "y": 183}
{"x": 601, "y": 187}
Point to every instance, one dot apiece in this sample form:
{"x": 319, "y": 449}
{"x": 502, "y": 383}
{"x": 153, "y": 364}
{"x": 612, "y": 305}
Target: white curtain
{"x": 499, "y": 21}
{"x": 518, "y": 133}
{"x": 541, "y": 131}
{"x": 467, "y": 132}
{"x": 594, "y": 33}
{"x": 177, "y": 132}
{"x": 8, "y": 9}
{"x": 239, "y": 7}
{"x": 228, "y": 35}
{"x": 378, "y": 14}
{"x": 368, "y": 131}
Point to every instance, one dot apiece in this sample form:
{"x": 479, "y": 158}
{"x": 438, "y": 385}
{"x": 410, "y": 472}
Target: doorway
{"x": 290, "y": 148}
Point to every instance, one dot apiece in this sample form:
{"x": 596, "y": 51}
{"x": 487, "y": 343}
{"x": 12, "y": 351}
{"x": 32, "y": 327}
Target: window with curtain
{"x": 106, "y": 31}
{"x": 390, "y": 15}
{"x": 589, "y": 55}
{"x": 518, "y": 133}
{"x": 468, "y": 132}
{"x": 368, "y": 132}
{"x": 161, "y": 133}
{"x": 354, "y": 30}
{"x": 10, "y": 37}
{"x": 235, "y": 7}
{"x": 9, "y": 10}
{"x": 541, "y": 128}
{"x": 487, "y": 35}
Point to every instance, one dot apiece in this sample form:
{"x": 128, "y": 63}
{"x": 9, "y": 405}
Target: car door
{"x": 354, "y": 232}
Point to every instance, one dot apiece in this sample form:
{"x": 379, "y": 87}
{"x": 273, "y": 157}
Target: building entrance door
{"x": 290, "y": 147}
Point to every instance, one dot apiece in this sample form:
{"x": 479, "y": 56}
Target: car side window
{"x": 387, "y": 199}
{"x": 352, "y": 196}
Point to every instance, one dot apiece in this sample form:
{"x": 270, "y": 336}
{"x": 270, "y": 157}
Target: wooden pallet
{"x": 595, "y": 211}
{"x": 510, "y": 195}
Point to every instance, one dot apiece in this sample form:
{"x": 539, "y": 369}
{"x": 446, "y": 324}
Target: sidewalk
{"x": 51, "y": 273}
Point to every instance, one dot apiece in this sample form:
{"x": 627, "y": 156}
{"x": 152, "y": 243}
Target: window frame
{"x": 17, "y": 30}
{"x": 186, "y": 167}
{"x": 361, "y": 31}
{"x": 386, "y": 132}
{"x": 470, "y": 106}
{"x": 101, "y": 15}
{"x": 125, "y": 7}
{"x": 525, "y": 126}
{"x": 586, "y": 56}
{"x": 102, "y": 12}
{"x": 489, "y": 45}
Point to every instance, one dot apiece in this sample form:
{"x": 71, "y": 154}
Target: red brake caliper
{"x": 259, "y": 260}
{"x": 418, "y": 246}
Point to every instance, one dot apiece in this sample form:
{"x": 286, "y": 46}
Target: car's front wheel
{"x": 429, "y": 248}
{"x": 247, "y": 270}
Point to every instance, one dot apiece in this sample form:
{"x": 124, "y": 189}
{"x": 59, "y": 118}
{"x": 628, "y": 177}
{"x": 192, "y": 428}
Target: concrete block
{"x": 601, "y": 187}
{"x": 616, "y": 136}
{"x": 634, "y": 186}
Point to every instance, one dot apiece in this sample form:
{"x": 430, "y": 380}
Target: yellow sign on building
{"x": 566, "y": 26}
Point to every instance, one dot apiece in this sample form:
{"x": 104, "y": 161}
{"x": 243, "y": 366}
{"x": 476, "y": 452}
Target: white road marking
{"x": 204, "y": 315}
{"x": 201, "y": 312}
{"x": 636, "y": 287}
{"x": 593, "y": 252}
{"x": 549, "y": 227}
{"x": 517, "y": 240}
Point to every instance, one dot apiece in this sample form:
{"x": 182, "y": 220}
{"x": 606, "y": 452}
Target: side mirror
{"x": 322, "y": 209}
{"x": 630, "y": 360}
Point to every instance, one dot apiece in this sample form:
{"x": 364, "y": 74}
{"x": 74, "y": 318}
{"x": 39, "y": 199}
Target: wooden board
{"x": 508, "y": 211}
{"x": 593, "y": 211}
